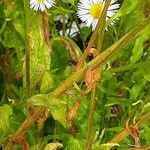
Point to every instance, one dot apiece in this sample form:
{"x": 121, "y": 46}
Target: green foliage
{"x": 5, "y": 113}
{"x": 122, "y": 93}
{"x": 53, "y": 146}
{"x": 107, "y": 146}
{"x": 5, "y": 126}
{"x": 146, "y": 71}
{"x": 43, "y": 100}
{"x": 138, "y": 49}
{"x": 127, "y": 7}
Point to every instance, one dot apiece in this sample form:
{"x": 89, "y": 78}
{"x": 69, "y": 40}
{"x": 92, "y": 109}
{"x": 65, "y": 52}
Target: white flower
{"x": 41, "y": 5}
{"x": 89, "y": 11}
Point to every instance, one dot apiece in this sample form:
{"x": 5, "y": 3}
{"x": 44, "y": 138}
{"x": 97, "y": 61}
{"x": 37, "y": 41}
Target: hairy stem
{"x": 102, "y": 27}
{"x": 45, "y": 29}
{"x": 123, "y": 134}
{"x": 27, "y": 50}
{"x": 23, "y": 128}
{"x": 88, "y": 145}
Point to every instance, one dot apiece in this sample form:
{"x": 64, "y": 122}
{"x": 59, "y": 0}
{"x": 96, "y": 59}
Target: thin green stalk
{"x": 128, "y": 67}
{"x": 94, "y": 35}
{"x": 27, "y": 49}
{"x": 64, "y": 25}
{"x": 81, "y": 33}
{"x": 88, "y": 145}
{"x": 102, "y": 27}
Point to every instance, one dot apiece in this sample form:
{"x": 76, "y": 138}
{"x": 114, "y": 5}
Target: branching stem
{"x": 88, "y": 145}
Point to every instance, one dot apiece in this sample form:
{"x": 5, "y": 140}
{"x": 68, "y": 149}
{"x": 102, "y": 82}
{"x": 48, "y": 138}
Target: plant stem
{"x": 123, "y": 134}
{"x": 102, "y": 27}
{"x": 81, "y": 32}
{"x": 128, "y": 67}
{"x": 99, "y": 26}
{"x": 27, "y": 50}
{"x": 88, "y": 145}
{"x": 64, "y": 25}
{"x": 24, "y": 127}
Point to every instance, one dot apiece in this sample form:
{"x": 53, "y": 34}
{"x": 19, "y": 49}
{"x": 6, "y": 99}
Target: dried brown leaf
{"x": 70, "y": 117}
{"x": 72, "y": 114}
{"x": 92, "y": 75}
{"x": 133, "y": 130}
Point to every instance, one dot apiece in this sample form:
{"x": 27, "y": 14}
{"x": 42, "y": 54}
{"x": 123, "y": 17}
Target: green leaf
{"x": 74, "y": 144}
{"x": 138, "y": 49}
{"x": 127, "y": 7}
{"x": 45, "y": 101}
{"x": 60, "y": 56}
{"x": 12, "y": 31}
{"x": 146, "y": 71}
{"x": 60, "y": 114}
{"x": 10, "y": 38}
{"x": 39, "y": 52}
{"x": 106, "y": 146}
{"x": 135, "y": 91}
{"x": 5, "y": 113}
{"x": 69, "y": 1}
{"x": 74, "y": 46}
{"x": 137, "y": 16}
{"x": 56, "y": 106}
{"x": 46, "y": 83}
{"x": 61, "y": 10}
{"x": 86, "y": 31}
{"x": 146, "y": 132}
{"x": 53, "y": 146}
{"x": 120, "y": 101}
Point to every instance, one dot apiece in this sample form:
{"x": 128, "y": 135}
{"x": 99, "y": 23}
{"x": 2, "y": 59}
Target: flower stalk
{"x": 98, "y": 28}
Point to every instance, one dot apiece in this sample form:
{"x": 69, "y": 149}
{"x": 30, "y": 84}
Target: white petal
{"x": 94, "y": 23}
{"x": 83, "y": 11}
{"x": 115, "y": 6}
{"x": 32, "y": 1}
{"x": 36, "y": 7}
{"x": 42, "y": 6}
{"x": 48, "y": 5}
{"x": 110, "y": 13}
{"x": 113, "y": 1}
{"x": 32, "y": 5}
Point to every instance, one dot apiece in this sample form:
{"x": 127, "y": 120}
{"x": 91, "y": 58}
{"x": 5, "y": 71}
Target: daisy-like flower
{"x": 89, "y": 11}
{"x": 41, "y": 5}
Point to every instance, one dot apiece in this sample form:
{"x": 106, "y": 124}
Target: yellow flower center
{"x": 40, "y": 1}
{"x": 96, "y": 10}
